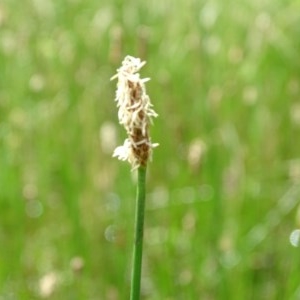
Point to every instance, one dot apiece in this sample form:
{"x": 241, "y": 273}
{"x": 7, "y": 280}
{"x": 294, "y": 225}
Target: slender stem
{"x": 139, "y": 233}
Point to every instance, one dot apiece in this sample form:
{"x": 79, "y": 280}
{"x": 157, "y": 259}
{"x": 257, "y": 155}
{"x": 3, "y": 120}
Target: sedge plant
{"x": 135, "y": 114}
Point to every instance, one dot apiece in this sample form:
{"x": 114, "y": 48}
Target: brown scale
{"x": 141, "y": 151}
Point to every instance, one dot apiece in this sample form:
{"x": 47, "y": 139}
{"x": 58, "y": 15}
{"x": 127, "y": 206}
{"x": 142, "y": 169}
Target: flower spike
{"x": 135, "y": 113}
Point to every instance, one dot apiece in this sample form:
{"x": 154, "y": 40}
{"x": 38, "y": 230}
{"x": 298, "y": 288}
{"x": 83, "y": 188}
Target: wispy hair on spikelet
{"x": 135, "y": 113}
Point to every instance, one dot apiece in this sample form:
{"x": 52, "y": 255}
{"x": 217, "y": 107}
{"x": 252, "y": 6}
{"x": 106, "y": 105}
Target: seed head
{"x": 135, "y": 113}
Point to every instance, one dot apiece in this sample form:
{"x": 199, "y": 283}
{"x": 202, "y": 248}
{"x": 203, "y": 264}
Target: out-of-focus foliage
{"x": 223, "y": 187}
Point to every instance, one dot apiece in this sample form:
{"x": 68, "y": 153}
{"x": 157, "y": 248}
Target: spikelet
{"x": 135, "y": 113}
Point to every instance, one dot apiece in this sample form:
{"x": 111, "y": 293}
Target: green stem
{"x": 139, "y": 233}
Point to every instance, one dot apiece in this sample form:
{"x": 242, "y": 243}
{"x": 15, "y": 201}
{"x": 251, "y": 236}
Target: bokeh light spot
{"x": 295, "y": 238}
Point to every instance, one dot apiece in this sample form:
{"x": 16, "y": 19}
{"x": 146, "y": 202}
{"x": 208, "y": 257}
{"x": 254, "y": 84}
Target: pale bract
{"x": 135, "y": 113}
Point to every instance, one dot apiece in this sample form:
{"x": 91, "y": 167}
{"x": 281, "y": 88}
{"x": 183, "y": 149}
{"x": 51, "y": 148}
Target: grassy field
{"x": 224, "y": 184}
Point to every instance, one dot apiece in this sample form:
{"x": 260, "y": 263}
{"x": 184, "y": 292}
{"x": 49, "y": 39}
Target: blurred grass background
{"x": 223, "y": 187}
